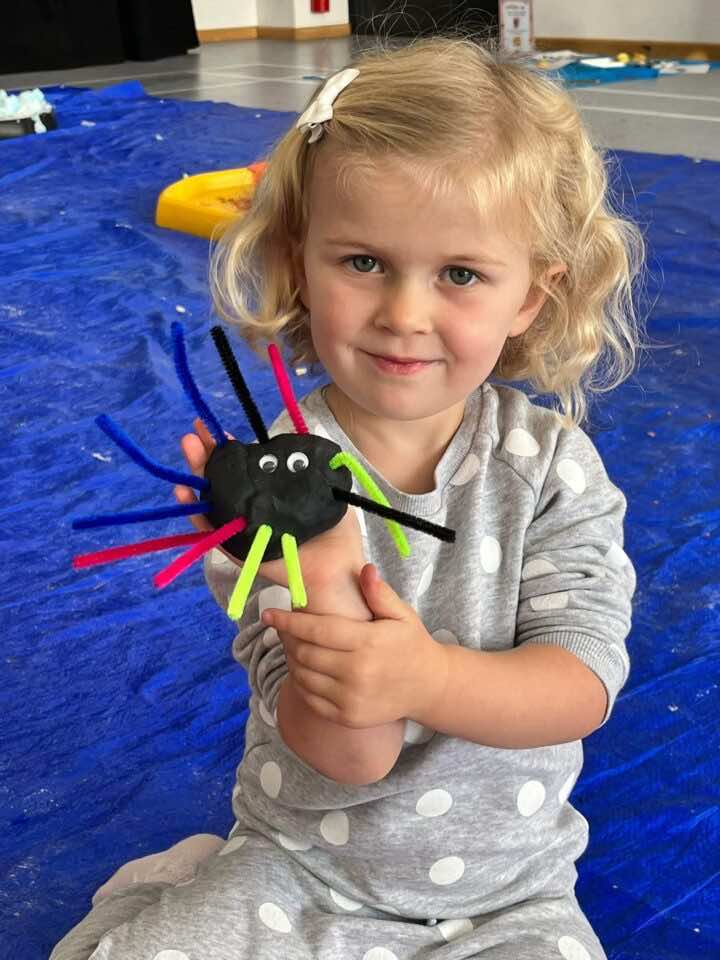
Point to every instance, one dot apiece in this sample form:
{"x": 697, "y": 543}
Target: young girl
{"x": 437, "y": 216}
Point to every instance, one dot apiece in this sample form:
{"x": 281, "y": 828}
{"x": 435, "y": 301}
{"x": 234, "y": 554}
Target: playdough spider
{"x": 263, "y": 499}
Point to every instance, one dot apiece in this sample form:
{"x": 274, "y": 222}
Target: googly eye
{"x": 297, "y": 462}
{"x": 268, "y": 463}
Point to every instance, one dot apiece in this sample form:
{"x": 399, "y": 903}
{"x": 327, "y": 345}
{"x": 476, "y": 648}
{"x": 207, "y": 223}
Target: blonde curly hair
{"x": 462, "y": 115}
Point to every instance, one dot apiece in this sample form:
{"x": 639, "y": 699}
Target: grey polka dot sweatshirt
{"x": 455, "y": 829}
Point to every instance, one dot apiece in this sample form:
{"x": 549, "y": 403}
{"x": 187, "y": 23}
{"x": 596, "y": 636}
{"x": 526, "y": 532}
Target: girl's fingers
{"x": 196, "y": 449}
{"x": 183, "y": 494}
{"x": 208, "y": 441}
{"x": 205, "y": 435}
{"x": 195, "y": 453}
{"x": 187, "y": 495}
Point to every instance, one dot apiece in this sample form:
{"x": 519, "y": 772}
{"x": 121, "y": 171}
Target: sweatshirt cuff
{"x": 607, "y": 660}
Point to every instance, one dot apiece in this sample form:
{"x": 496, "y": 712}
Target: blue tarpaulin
{"x": 122, "y": 711}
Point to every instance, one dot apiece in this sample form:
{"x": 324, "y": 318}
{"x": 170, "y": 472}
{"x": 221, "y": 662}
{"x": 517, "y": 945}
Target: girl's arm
{"x": 531, "y": 696}
{"x": 342, "y": 753}
{"x": 330, "y": 563}
{"x": 559, "y": 682}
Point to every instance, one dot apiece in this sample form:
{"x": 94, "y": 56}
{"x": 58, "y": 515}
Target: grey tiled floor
{"x": 679, "y": 115}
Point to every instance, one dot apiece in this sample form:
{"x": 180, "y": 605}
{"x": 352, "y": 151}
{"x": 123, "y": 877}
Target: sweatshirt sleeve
{"x": 577, "y": 582}
{"x": 257, "y": 647}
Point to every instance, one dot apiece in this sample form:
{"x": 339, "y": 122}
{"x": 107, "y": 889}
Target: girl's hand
{"x": 332, "y": 553}
{"x": 364, "y": 674}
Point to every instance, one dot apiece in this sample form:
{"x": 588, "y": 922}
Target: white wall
{"x": 691, "y": 21}
{"x": 219, "y": 14}
{"x": 338, "y": 14}
{"x": 276, "y": 13}
{"x": 216, "y": 14}
{"x": 674, "y": 20}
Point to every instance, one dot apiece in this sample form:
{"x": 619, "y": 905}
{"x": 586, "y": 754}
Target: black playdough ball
{"x": 284, "y": 482}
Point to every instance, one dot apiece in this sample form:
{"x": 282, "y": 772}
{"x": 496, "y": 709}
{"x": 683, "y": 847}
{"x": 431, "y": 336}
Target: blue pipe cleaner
{"x": 134, "y": 516}
{"x": 115, "y": 433}
{"x": 190, "y": 387}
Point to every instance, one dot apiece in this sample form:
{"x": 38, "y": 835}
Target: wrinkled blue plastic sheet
{"x": 122, "y": 712}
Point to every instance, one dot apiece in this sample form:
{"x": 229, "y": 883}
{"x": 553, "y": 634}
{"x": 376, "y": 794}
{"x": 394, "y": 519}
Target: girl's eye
{"x": 362, "y": 259}
{"x": 463, "y": 276}
{"x": 268, "y": 463}
{"x": 297, "y": 462}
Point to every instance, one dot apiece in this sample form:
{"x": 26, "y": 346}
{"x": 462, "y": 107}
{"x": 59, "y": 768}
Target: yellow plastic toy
{"x": 205, "y": 204}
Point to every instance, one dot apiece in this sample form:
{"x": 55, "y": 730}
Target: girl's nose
{"x": 406, "y": 308}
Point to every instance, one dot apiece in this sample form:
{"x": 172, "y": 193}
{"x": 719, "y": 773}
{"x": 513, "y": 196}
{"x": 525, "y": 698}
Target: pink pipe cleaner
{"x": 135, "y": 549}
{"x": 286, "y": 390}
{"x": 208, "y": 541}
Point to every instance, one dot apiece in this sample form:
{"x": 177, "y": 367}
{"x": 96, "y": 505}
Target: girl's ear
{"x": 534, "y": 300}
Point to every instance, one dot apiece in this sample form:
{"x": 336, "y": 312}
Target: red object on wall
{"x": 319, "y": 6}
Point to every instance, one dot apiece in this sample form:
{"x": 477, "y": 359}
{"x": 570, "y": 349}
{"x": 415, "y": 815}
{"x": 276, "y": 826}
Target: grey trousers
{"x": 252, "y": 901}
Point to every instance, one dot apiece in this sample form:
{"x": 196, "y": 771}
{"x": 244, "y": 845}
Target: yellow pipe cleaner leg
{"x": 344, "y": 459}
{"x": 292, "y": 563}
{"x": 249, "y": 572}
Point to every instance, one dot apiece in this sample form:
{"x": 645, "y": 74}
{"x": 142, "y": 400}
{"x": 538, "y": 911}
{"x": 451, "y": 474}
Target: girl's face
{"x": 386, "y": 271}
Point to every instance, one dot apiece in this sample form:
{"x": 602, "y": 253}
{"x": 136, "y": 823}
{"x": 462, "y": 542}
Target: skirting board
{"x": 274, "y": 33}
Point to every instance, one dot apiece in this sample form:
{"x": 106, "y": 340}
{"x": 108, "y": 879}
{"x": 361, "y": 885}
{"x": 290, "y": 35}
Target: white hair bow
{"x": 320, "y": 109}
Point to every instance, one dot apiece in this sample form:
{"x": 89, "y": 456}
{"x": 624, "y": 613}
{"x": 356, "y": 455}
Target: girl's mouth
{"x": 394, "y": 366}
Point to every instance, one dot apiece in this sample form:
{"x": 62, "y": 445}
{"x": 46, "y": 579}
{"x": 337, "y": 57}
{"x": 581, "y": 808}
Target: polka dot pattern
{"x": 447, "y": 870}
{"x": 537, "y": 567}
{"x": 274, "y": 917}
{"x": 521, "y": 443}
{"x": 490, "y": 555}
{"x": 335, "y": 828}
{"x": 232, "y": 845}
{"x": 360, "y": 514}
{"x": 566, "y": 788}
{"x": 290, "y": 844}
{"x": 454, "y": 929}
{"x": 271, "y": 779}
{"x": 425, "y": 579}
{"x": 571, "y": 473}
{"x": 616, "y": 556}
{"x": 218, "y": 559}
{"x": 267, "y": 717}
{"x": 434, "y": 803}
{"x": 572, "y": 949}
{"x": 275, "y": 596}
{"x": 466, "y": 471}
{"x": 416, "y": 733}
{"x": 344, "y": 902}
{"x": 551, "y": 601}
{"x": 530, "y": 798}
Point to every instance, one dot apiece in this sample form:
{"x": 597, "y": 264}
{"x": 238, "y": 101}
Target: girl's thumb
{"x": 380, "y": 596}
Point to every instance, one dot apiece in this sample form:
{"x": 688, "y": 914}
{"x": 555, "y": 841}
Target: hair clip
{"x": 320, "y": 109}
